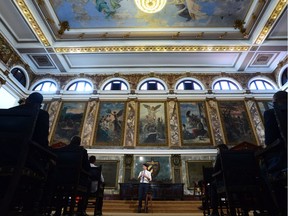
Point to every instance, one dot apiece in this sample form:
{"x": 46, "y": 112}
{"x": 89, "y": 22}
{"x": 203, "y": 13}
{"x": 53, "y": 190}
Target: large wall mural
{"x": 236, "y": 123}
{"x": 70, "y": 122}
{"x": 152, "y": 128}
{"x": 171, "y": 123}
{"x": 195, "y": 128}
{"x": 124, "y": 13}
{"x": 110, "y": 124}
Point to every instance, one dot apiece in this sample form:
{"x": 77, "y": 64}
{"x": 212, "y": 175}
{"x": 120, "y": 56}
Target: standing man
{"x": 145, "y": 177}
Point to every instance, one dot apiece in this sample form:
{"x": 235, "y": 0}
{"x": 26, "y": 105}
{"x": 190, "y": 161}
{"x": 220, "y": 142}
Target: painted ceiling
{"x": 112, "y": 36}
{"x": 124, "y": 13}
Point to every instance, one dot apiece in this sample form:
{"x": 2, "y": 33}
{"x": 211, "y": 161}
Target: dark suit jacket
{"x": 272, "y": 131}
{"x": 41, "y": 130}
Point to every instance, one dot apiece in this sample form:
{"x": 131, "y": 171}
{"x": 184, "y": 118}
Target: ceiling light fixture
{"x": 150, "y": 6}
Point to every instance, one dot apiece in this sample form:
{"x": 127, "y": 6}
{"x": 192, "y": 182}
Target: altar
{"x": 160, "y": 191}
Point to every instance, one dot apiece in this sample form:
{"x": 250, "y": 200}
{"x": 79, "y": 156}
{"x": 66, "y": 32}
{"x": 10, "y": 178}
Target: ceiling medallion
{"x": 150, "y": 6}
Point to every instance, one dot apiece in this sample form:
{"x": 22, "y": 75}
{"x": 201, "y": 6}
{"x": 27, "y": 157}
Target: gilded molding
{"x": 2, "y": 81}
{"x": 121, "y": 49}
{"x": 32, "y": 21}
{"x": 271, "y": 20}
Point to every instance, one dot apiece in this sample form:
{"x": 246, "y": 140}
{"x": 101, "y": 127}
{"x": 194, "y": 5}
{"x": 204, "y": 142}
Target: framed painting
{"x": 69, "y": 122}
{"x": 110, "y": 124}
{"x": 110, "y": 170}
{"x": 194, "y": 170}
{"x": 263, "y": 106}
{"x": 152, "y": 128}
{"x": 160, "y": 167}
{"x": 235, "y": 122}
{"x": 194, "y": 124}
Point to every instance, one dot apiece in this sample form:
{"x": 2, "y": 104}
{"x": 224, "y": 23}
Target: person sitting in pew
{"x": 75, "y": 145}
{"x": 94, "y": 188}
{"x": 213, "y": 187}
{"x": 41, "y": 131}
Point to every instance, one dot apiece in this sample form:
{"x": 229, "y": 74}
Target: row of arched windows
{"x": 119, "y": 84}
{"x": 152, "y": 84}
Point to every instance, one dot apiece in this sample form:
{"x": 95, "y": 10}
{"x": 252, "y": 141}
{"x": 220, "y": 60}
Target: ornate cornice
{"x": 32, "y": 21}
{"x": 279, "y": 8}
{"x": 129, "y": 49}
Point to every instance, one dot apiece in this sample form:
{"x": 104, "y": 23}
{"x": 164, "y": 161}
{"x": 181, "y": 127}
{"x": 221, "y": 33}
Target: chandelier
{"x": 150, "y": 6}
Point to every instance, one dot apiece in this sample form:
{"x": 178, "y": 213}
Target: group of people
{"x": 40, "y": 136}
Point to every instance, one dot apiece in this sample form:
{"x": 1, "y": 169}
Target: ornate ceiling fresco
{"x": 114, "y": 36}
{"x": 119, "y": 13}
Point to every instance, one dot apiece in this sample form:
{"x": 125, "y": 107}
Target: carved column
{"x": 128, "y": 163}
{"x": 173, "y": 126}
{"x": 215, "y": 121}
{"x": 176, "y": 167}
{"x": 89, "y": 123}
{"x": 130, "y": 127}
{"x": 53, "y": 111}
{"x": 256, "y": 121}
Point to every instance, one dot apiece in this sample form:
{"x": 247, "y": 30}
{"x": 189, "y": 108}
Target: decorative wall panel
{"x": 174, "y": 129}
{"x": 215, "y": 122}
{"x": 130, "y": 128}
{"x": 88, "y": 126}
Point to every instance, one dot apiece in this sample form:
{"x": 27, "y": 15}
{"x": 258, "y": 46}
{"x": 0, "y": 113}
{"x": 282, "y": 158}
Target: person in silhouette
{"x": 275, "y": 159}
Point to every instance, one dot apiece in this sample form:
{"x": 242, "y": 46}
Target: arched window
{"x": 19, "y": 76}
{"x": 225, "y": 85}
{"x": 80, "y": 86}
{"x": 189, "y": 84}
{"x": 260, "y": 84}
{"x": 45, "y": 86}
{"x": 284, "y": 78}
{"x": 116, "y": 85}
{"x": 152, "y": 85}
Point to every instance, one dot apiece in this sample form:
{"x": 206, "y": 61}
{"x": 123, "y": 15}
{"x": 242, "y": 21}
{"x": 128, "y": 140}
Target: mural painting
{"x": 125, "y": 14}
{"x": 152, "y": 129}
{"x": 235, "y": 122}
{"x": 69, "y": 122}
{"x": 109, "y": 126}
{"x": 194, "y": 123}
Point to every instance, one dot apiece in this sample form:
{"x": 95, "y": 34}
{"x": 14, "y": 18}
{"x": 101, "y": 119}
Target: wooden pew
{"x": 20, "y": 182}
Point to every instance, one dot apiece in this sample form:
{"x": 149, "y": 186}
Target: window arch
{"x": 189, "y": 84}
{"x": 20, "y": 76}
{"x": 45, "y": 86}
{"x": 283, "y": 76}
{"x": 80, "y": 86}
{"x": 152, "y": 84}
{"x": 261, "y": 84}
{"x": 225, "y": 84}
{"x": 116, "y": 84}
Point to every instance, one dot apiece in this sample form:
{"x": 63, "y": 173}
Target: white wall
{"x": 7, "y": 100}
